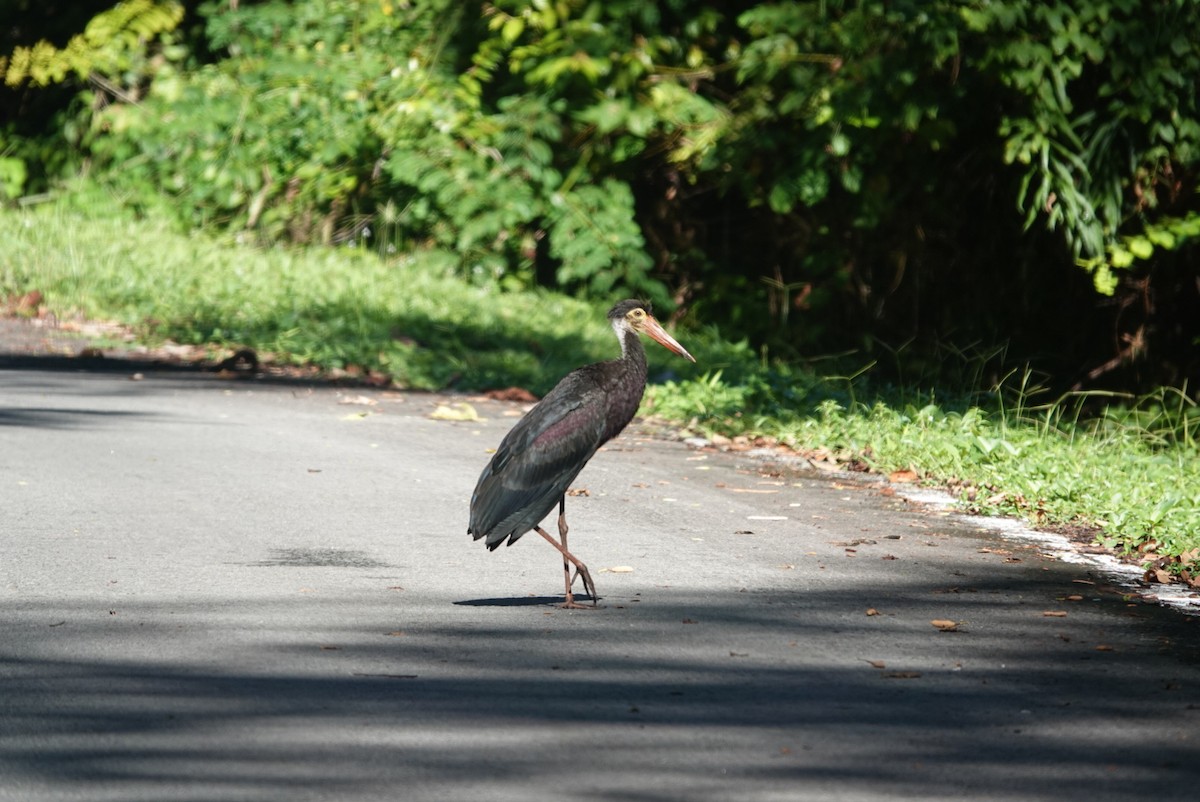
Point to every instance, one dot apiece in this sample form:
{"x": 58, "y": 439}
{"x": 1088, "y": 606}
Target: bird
{"x": 542, "y": 454}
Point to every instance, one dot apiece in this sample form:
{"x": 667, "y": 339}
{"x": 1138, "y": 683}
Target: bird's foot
{"x": 571, "y": 604}
{"x": 589, "y": 587}
{"x": 588, "y": 584}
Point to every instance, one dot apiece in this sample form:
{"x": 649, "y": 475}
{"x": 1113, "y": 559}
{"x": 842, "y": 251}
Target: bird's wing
{"x": 536, "y": 461}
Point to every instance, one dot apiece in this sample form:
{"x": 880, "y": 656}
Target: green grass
{"x": 410, "y": 318}
{"x": 1131, "y": 468}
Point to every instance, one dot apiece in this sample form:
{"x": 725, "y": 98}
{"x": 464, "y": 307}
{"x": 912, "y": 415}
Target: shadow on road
{"x": 793, "y": 690}
{"x": 522, "y": 601}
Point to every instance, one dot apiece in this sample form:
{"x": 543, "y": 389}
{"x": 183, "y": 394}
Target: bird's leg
{"x": 581, "y": 569}
{"x": 588, "y": 585}
{"x": 569, "y": 559}
{"x": 562, "y": 537}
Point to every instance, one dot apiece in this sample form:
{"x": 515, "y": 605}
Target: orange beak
{"x": 657, "y": 333}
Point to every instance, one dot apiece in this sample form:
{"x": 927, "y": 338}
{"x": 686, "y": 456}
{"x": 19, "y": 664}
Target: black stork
{"x": 540, "y": 456}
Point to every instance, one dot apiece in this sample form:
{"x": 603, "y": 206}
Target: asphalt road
{"x": 216, "y": 589}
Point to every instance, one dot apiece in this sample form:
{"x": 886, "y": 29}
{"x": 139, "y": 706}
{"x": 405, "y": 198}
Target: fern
{"x": 108, "y": 44}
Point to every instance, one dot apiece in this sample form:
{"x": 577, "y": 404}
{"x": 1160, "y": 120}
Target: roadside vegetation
{"x": 1126, "y": 468}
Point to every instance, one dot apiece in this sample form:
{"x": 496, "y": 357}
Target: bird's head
{"x": 636, "y": 316}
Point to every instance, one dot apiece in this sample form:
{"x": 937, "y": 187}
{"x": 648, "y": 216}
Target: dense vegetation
{"x": 823, "y": 176}
{"x": 940, "y": 193}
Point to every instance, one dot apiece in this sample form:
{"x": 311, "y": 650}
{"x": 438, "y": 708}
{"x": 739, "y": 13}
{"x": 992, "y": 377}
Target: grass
{"x": 1130, "y": 469}
{"x": 410, "y": 318}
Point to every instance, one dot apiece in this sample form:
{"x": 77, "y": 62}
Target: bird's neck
{"x": 633, "y": 352}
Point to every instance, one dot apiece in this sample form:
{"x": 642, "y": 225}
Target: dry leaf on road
{"x": 460, "y": 411}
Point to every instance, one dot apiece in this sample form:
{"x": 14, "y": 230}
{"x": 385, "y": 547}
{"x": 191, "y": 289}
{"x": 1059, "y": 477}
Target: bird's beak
{"x": 653, "y": 328}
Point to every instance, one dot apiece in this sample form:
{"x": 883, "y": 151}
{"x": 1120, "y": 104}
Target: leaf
{"x": 1140, "y": 247}
{"x": 945, "y": 625}
{"x": 512, "y": 29}
{"x": 461, "y": 411}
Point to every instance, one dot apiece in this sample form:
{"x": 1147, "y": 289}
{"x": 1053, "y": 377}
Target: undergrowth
{"x": 1126, "y": 466}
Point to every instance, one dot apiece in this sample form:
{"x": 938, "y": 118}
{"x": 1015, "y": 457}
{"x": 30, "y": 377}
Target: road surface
{"x": 216, "y": 589}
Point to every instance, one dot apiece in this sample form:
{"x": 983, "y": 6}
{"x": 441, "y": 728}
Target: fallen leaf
{"x": 1055, "y": 613}
{"x": 619, "y": 569}
{"x": 749, "y": 490}
{"x": 945, "y": 624}
{"x": 877, "y": 664}
{"x": 460, "y": 411}
{"x": 872, "y": 611}
{"x": 1104, "y": 647}
{"x": 512, "y": 394}
{"x": 902, "y": 675}
{"x": 739, "y": 654}
{"x": 359, "y": 400}
{"x": 688, "y": 621}
{"x": 906, "y": 475}
{"x": 579, "y": 491}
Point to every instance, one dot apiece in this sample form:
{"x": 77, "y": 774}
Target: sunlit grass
{"x": 409, "y": 318}
{"x": 1132, "y": 469}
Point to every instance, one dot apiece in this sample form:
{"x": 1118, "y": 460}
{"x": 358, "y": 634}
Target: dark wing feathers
{"x": 537, "y": 460}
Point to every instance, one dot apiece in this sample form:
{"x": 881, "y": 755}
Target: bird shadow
{"x": 521, "y": 601}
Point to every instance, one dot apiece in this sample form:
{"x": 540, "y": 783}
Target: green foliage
{"x": 115, "y": 54}
{"x": 12, "y": 177}
{"x": 346, "y": 121}
{"x": 818, "y": 175}
{"x": 1105, "y": 120}
{"x": 113, "y": 43}
{"x": 837, "y": 84}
